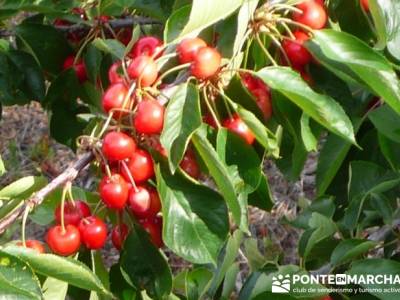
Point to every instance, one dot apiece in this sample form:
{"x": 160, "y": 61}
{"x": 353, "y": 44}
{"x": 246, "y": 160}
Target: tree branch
{"x": 79, "y": 27}
{"x": 68, "y": 175}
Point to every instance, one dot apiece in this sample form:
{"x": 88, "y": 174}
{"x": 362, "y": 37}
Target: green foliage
{"x": 348, "y": 113}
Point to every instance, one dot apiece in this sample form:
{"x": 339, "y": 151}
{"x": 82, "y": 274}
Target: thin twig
{"x": 68, "y": 175}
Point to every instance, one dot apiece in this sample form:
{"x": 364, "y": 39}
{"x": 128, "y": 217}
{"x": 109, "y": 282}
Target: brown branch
{"x": 68, "y": 175}
{"x": 79, "y": 27}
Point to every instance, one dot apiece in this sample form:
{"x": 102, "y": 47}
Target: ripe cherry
{"x": 236, "y": 125}
{"x": 113, "y": 75}
{"x": 140, "y": 166}
{"x": 208, "y": 119}
{"x": 313, "y": 14}
{"x": 114, "y": 191}
{"x": 119, "y": 234}
{"x": 34, "y": 245}
{"x": 79, "y": 67}
{"x": 365, "y": 5}
{"x": 297, "y": 54}
{"x": 206, "y": 63}
{"x": 149, "y": 117}
{"x": 93, "y": 232}
{"x": 73, "y": 212}
{"x": 263, "y": 100}
{"x": 62, "y": 242}
{"x": 118, "y": 146}
{"x": 114, "y": 98}
{"x": 147, "y": 45}
{"x": 124, "y": 35}
{"x": 154, "y": 229}
{"x": 144, "y": 202}
{"x": 188, "y": 48}
{"x": 144, "y": 69}
{"x": 189, "y": 164}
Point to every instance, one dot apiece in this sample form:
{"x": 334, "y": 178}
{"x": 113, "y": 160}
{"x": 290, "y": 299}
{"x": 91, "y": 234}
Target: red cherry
{"x": 154, "y": 229}
{"x": 93, "y": 232}
{"x": 208, "y": 119}
{"x": 114, "y": 191}
{"x": 33, "y": 244}
{"x": 147, "y": 45}
{"x": 144, "y": 202}
{"x": 149, "y": 117}
{"x": 119, "y": 234}
{"x": 80, "y": 12}
{"x": 206, "y": 63}
{"x": 140, "y": 166}
{"x": 236, "y": 125}
{"x": 263, "y": 100}
{"x": 79, "y": 67}
{"x": 188, "y": 48}
{"x": 313, "y": 14}
{"x": 125, "y": 35}
{"x": 103, "y": 19}
{"x": 143, "y": 68}
{"x": 189, "y": 164}
{"x": 296, "y": 52}
{"x": 62, "y": 242}
{"x": 113, "y": 75}
{"x": 365, "y": 5}
{"x": 118, "y": 146}
{"x": 114, "y": 98}
{"x": 73, "y": 212}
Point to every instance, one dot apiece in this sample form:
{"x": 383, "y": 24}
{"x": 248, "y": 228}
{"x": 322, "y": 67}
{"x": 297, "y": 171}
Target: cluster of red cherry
{"x": 312, "y": 14}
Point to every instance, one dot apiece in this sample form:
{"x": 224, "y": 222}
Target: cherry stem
{"x": 166, "y": 56}
{"x": 288, "y": 30}
{"x": 70, "y": 196}
{"x": 278, "y": 44}
{"x": 64, "y": 193}
{"x": 266, "y": 51}
{"x": 105, "y": 162}
{"x": 278, "y": 7}
{"x": 212, "y": 112}
{"x": 129, "y": 175}
{"x": 24, "y": 218}
{"x": 89, "y": 36}
{"x": 170, "y": 71}
{"x": 289, "y": 21}
{"x": 104, "y": 128}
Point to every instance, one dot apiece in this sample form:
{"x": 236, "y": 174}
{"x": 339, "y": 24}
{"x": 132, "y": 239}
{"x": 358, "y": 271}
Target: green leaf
{"x": 207, "y": 12}
{"x": 230, "y": 281}
{"x": 324, "y": 206}
{"x": 255, "y": 258}
{"x": 93, "y": 58}
{"x": 195, "y": 282}
{"x": 321, "y": 228}
{"x": 365, "y": 178}
{"x": 387, "y": 23}
{"x": 374, "y": 267}
{"x": 262, "y": 197}
{"x": 176, "y": 23}
{"x": 348, "y": 250}
{"x": 195, "y": 222}
{"x": 387, "y": 122}
{"x": 309, "y": 140}
{"x": 143, "y": 265}
{"x": 331, "y": 158}
{"x": 33, "y": 85}
{"x": 234, "y": 148}
{"x": 111, "y": 46}
{"x": 182, "y": 118}
{"x": 45, "y": 43}
{"x": 158, "y": 9}
{"x": 352, "y": 59}
{"x": 17, "y": 280}
{"x": 119, "y": 287}
{"x": 2, "y": 167}
{"x": 62, "y": 268}
{"x": 226, "y": 258}
{"x": 54, "y": 289}
{"x": 321, "y": 108}
{"x": 391, "y": 151}
{"x": 220, "y": 172}
{"x": 22, "y": 188}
